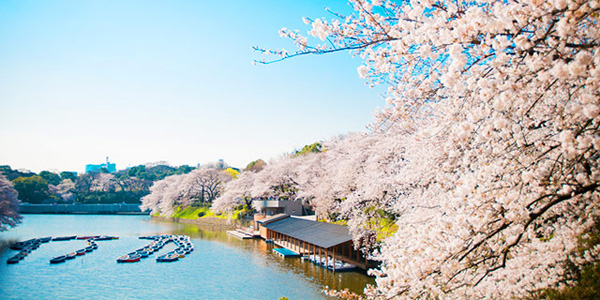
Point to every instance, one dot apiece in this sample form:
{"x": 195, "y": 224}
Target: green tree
{"x": 312, "y": 148}
{"x": 32, "y": 189}
{"x": 184, "y": 169}
{"x": 68, "y": 175}
{"x": 256, "y": 166}
{"x": 51, "y": 178}
{"x": 14, "y": 174}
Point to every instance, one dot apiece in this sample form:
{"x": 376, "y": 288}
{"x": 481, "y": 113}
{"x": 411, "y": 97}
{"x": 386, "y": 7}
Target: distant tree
{"x": 65, "y": 190}
{"x": 136, "y": 171}
{"x": 9, "y": 205}
{"x": 232, "y": 172}
{"x": 14, "y": 174}
{"x": 184, "y": 169}
{"x": 6, "y": 170}
{"x": 32, "y": 189}
{"x": 256, "y": 166}
{"x": 312, "y": 148}
{"x": 83, "y": 183}
{"x": 153, "y": 173}
{"x": 68, "y": 175}
{"x": 51, "y": 178}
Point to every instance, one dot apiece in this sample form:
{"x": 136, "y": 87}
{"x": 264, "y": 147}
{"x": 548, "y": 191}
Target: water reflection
{"x": 262, "y": 254}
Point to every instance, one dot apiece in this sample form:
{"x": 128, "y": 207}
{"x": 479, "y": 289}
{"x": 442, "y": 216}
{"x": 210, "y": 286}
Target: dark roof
{"x": 324, "y": 235}
{"x": 272, "y": 219}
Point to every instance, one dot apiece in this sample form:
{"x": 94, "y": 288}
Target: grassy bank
{"x": 199, "y": 212}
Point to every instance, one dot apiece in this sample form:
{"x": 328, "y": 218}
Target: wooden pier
{"x": 239, "y": 234}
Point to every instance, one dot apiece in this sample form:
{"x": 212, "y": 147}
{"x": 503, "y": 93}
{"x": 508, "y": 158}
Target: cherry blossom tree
{"x": 65, "y": 190}
{"x": 199, "y": 186}
{"x": 9, "y": 205}
{"x": 487, "y": 149}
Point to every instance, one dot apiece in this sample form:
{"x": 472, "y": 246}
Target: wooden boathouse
{"x": 307, "y": 237}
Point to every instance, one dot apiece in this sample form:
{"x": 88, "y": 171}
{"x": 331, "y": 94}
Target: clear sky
{"x": 146, "y": 81}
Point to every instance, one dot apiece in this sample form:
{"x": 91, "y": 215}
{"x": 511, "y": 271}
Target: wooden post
{"x": 320, "y": 255}
{"x": 326, "y": 258}
{"x": 334, "y": 248}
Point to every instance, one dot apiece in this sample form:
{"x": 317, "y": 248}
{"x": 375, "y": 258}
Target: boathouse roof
{"x": 324, "y": 235}
{"x": 272, "y": 219}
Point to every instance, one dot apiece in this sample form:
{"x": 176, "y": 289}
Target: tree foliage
{"x": 33, "y": 189}
{"x": 50, "y": 177}
{"x": 154, "y": 173}
{"x": 14, "y": 174}
{"x": 312, "y": 148}
{"x": 256, "y": 166}
{"x": 9, "y": 205}
{"x": 487, "y": 151}
{"x": 68, "y": 175}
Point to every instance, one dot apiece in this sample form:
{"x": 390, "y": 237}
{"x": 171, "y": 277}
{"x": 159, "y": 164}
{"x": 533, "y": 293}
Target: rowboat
{"x": 70, "y": 255}
{"x": 106, "y": 238}
{"x": 21, "y": 245}
{"x": 89, "y": 249}
{"x": 80, "y": 252}
{"x": 129, "y": 258}
{"x": 87, "y": 237}
{"x": 167, "y": 258}
{"x": 63, "y": 238}
{"x": 13, "y": 260}
{"x": 58, "y": 259}
{"x": 45, "y": 239}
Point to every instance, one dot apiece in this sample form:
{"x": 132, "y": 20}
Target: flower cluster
{"x": 487, "y": 153}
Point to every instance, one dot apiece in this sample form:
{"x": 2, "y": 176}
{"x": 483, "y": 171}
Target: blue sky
{"x": 146, "y": 81}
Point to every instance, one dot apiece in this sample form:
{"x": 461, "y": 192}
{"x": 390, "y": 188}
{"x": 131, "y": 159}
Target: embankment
{"x": 107, "y": 209}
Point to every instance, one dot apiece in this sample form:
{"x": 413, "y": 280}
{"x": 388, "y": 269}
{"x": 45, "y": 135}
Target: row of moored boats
{"x": 182, "y": 242}
{"x": 329, "y": 263}
{"x": 26, "y": 247}
{"x": 72, "y": 255}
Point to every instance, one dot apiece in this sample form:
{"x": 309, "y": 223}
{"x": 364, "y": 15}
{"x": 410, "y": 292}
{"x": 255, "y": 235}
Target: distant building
{"x": 111, "y": 168}
{"x": 267, "y": 207}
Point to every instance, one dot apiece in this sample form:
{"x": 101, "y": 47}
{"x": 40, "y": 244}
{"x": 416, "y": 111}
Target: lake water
{"x": 221, "y": 267}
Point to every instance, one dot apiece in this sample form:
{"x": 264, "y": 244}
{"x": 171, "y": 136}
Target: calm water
{"x": 221, "y": 267}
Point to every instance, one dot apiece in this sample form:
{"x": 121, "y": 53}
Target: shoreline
{"x": 206, "y": 221}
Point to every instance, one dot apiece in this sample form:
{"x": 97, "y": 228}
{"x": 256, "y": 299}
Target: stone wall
{"x": 124, "y": 209}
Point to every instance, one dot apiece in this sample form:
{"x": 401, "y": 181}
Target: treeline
{"x": 124, "y": 186}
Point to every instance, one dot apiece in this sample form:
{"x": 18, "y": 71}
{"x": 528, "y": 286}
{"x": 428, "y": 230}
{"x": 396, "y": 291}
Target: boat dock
{"x": 239, "y": 234}
{"x": 283, "y": 252}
